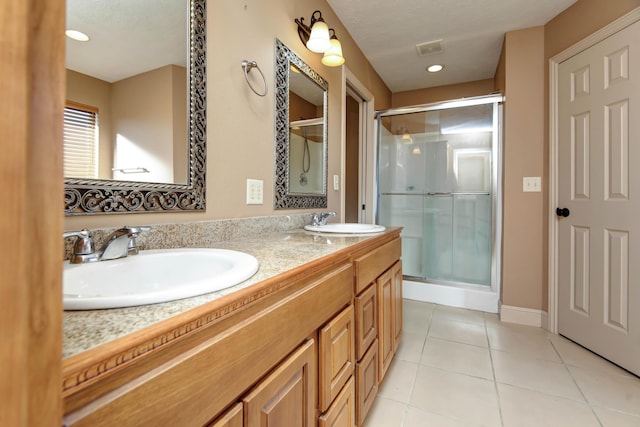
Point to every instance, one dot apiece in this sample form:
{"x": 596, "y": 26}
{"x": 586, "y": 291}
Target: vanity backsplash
{"x": 202, "y": 233}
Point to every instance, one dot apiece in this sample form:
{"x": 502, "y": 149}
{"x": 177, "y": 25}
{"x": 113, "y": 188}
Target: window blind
{"x": 80, "y": 149}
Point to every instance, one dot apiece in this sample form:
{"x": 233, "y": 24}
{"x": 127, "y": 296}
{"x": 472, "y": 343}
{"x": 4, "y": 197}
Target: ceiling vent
{"x": 429, "y": 48}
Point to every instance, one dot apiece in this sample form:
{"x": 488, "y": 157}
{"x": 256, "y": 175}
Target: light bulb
{"x": 77, "y": 35}
{"x": 333, "y": 56}
{"x": 319, "y": 38}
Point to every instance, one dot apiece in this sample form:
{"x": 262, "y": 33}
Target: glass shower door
{"x": 436, "y": 180}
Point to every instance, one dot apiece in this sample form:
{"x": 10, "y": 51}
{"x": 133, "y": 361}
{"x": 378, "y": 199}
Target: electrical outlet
{"x": 531, "y": 184}
{"x": 254, "y": 191}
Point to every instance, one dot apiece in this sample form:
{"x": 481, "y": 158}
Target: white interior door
{"x": 599, "y": 184}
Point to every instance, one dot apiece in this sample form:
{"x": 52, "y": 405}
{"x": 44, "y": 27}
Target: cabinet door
{"x": 286, "y": 397}
{"x": 342, "y": 411}
{"x": 366, "y": 320}
{"x": 386, "y": 320}
{"x": 232, "y": 418}
{"x": 337, "y": 356}
{"x": 366, "y": 382}
{"x": 397, "y": 303}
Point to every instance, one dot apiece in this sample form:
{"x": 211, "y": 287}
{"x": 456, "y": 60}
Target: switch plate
{"x": 531, "y": 184}
{"x": 254, "y": 191}
{"x": 336, "y": 182}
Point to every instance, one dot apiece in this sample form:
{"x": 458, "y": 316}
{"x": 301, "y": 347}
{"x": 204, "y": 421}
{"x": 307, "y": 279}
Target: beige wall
{"x": 580, "y": 20}
{"x": 442, "y": 93}
{"x": 143, "y": 114}
{"x": 523, "y": 256}
{"x": 149, "y": 109}
{"x": 240, "y": 124}
{"x": 96, "y": 93}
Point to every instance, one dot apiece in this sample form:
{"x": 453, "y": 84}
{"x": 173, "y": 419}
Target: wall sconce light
{"x": 317, "y": 38}
{"x": 333, "y": 56}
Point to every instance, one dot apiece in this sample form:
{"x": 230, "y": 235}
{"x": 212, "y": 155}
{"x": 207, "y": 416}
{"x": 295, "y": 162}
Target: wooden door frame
{"x": 554, "y": 64}
{"x": 366, "y": 185}
{"x": 31, "y": 218}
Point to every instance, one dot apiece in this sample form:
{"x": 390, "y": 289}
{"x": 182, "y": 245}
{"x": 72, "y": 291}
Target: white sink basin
{"x": 346, "y": 228}
{"x": 153, "y": 276}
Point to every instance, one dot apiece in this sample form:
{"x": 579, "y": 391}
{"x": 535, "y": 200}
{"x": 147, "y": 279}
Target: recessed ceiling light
{"x": 77, "y": 35}
{"x": 435, "y": 68}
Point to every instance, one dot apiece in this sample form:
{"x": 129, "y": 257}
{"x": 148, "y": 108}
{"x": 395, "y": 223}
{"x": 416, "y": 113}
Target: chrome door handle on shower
{"x": 437, "y": 193}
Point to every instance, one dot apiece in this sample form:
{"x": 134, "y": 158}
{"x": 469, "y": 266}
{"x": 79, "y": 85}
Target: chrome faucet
{"x": 321, "y": 218}
{"x": 120, "y": 243}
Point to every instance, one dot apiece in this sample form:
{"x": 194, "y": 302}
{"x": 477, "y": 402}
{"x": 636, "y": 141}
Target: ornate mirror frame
{"x": 283, "y": 199}
{"x": 100, "y": 197}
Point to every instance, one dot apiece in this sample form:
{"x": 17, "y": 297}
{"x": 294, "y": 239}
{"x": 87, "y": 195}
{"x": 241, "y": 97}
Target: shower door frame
{"x": 476, "y": 297}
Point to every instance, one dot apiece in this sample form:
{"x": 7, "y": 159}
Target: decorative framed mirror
{"x": 147, "y": 134}
{"x": 300, "y": 133}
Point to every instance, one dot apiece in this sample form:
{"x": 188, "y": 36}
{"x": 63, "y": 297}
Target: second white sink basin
{"x": 346, "y": 228}
{"x": 153, "y": 276}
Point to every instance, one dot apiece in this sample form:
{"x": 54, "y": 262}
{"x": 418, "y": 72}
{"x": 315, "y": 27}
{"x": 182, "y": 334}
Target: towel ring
{"x": 247, "y": 66}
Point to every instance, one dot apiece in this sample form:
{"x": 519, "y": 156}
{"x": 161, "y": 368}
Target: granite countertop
{"x": 276, "y": 252}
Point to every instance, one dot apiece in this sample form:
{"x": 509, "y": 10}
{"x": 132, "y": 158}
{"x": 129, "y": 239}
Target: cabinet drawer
{"x": 342, "y": 411}
{"x": 373, "y": 264}
{"x": 337, "y": 356}
{"x": 366, "y": 320}
{"x": 366, "y": 382}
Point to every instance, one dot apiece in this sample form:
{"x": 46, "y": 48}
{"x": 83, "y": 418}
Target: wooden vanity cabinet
{"x": 300, "y": 349}
{"x": 367, "y": 382}
{"x": 378, "y": 306}
{"x": 234, "y": 417}
{"x": 342, "y": 411}
{"x": 217, "y": 364}
{"x": 336, "y": 357}
{"x": 287, "y": 397}
{"x": 366, "y": 308}
{"x": 397, "y": 303}
{"x": 389, "y": 286}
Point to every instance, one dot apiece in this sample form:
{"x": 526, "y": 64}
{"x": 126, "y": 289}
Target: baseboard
{"x": 523, "y": 316}
{"x": 545, "y": 321}
{"x": 473, "y": 299}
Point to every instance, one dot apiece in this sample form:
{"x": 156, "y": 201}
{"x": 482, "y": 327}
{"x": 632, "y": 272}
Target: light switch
{"x": 336, "y": 182}
{"x": 254, "y": 191}
{"x": 531, "y": 184}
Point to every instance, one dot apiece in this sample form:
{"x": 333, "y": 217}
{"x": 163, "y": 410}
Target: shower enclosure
{"x": 438, "y": 178}
{"x": 306, "y": 154}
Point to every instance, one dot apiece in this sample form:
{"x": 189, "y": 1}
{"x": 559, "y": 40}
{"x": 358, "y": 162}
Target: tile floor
{"x": 464, "y": 368}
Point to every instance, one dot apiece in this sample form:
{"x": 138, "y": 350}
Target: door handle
{"x": 564, "y": 212}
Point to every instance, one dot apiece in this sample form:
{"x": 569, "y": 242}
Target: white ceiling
{"x": 472, "y": 32}
{"x": 128, "y": 37}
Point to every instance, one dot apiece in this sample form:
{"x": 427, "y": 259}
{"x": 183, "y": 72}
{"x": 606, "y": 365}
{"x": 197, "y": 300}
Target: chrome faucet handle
{"x": 84, "y": 249}
{"x": 315, "y": 219}
{"x": 132, "y": 249}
